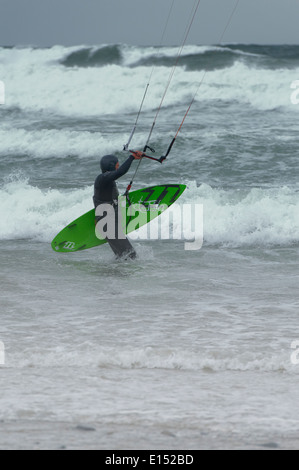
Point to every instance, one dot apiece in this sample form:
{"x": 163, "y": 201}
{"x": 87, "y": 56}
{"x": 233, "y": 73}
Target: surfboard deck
{"x": 143, "y": 206}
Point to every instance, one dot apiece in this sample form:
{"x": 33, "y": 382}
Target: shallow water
{"x": 179, "y": 348}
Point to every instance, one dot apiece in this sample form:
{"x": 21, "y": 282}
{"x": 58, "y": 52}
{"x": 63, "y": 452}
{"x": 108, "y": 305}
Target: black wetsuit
{"x": 106, "y": 192}
{"x": 105, "y": 189}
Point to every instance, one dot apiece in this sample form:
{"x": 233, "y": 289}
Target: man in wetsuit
{"x": 106, "y": 192}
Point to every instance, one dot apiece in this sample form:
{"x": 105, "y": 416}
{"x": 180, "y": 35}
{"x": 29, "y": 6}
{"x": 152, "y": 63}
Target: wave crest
{"x": 93, "y": 57}
{"x": 256, "y": 217}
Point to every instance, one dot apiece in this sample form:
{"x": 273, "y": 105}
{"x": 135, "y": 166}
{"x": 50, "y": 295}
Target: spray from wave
{"x": 255, "y": 217}
{"x": 110, "y": 79}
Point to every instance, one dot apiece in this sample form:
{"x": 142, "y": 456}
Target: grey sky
{"x": 141, "y": 22}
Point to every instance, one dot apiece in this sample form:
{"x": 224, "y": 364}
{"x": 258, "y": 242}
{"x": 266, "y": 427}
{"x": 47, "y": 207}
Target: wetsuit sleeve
{"x": 123, "y": 169}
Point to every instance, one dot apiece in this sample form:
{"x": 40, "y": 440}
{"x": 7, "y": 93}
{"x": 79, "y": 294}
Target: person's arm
{"x": 123, "y": 169}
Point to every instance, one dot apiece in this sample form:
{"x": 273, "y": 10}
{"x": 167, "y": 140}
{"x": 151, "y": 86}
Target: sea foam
{"x": 37, "y": 80}
{"x": 256, "y": 217}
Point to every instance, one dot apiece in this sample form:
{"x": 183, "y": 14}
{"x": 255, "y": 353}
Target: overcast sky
{"x": 141, "y": 22}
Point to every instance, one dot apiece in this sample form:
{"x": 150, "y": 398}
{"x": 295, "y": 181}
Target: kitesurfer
{"x": 106, "y": 197}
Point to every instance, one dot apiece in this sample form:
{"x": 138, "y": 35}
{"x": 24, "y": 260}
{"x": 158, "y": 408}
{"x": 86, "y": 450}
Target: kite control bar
{"x": 143, "y": 155}
{"x": 161, "y": 159}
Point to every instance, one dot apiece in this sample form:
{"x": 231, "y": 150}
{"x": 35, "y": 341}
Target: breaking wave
{"x": 154, "y": 358}
{"x": 110, "y": 79}
{"x": 255, "y": 217}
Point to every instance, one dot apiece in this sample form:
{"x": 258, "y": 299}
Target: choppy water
{"x": 193, "y": 345}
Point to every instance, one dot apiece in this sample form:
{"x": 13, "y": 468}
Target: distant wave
{"x": 192, "y": 58}
{"x": 93, "y": 57}
{"x": 108, "y": 80}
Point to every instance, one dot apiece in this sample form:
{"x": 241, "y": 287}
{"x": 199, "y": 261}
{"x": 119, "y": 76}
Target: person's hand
{"x": 137, "y": 155}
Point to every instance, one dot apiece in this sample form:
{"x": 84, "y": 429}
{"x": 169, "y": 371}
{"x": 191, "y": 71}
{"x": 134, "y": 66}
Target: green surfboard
{"x": 141, "y": 207}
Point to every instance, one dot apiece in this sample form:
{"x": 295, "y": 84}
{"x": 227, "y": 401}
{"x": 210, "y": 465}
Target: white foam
{"x": 236, "y": 218}
{"x": 248, "y": 218}
{"x": 29, "y": 212}
{"x": 152, "y": 358}
{"x": 35, "y": 80}
{"x": 132, "y": 54}
{"x": 58, "y": 143}
{"x": 257, "y": 217}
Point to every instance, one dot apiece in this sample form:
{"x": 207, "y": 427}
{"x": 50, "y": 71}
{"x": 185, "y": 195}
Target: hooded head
{"x": 108, "y": 163}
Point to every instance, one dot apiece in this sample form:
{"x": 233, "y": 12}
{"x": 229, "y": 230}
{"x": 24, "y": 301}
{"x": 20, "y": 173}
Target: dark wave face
{"x": 204, "y": 58}
{"x": 93, "y": 57}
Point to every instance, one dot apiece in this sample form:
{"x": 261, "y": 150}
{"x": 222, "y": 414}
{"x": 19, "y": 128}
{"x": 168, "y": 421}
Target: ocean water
{"x": 178, "y": 349}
